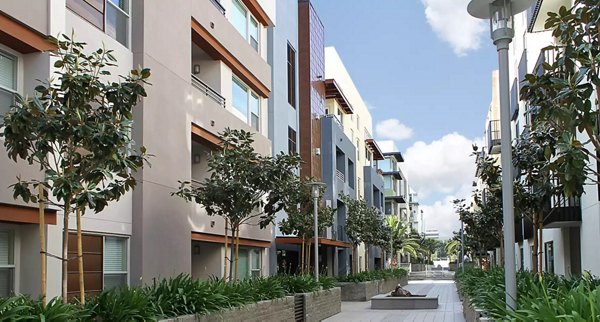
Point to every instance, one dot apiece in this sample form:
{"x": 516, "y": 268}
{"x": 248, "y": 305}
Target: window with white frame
{"x": 8, "y": 81}
{"x": 246, "y": 104}
{"x": 246, "y": 24}
{"x": 110, "y": 16}
{"x": 115, "y": 262}
{"x": 7, "y": 262}
{"x": 249, "y": 263}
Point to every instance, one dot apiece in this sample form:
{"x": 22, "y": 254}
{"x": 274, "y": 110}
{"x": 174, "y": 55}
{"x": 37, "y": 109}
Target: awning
{"x": 25, "y": 214}
{"x": 397, "y": 199}
{"x": 322, "y": 241}
{"x": 220, "y": 239}
{"x": 395, "y": 155}
{"x": 374, "y": 148}
{"x": 332, "y": 90}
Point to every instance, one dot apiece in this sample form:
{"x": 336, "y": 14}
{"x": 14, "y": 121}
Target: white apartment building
{"x": 210, "y": 71}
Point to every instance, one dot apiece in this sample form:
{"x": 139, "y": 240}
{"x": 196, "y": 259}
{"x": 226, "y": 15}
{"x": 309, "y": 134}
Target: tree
{"x": 560, "y": 96}
{"x": 361, "y": 225}
{"x": 77, "y": 128}
{"x": 300, "y": 217}
{"x": 243, "y": 187}
{"x": 401, "y": 240}
{"x": 531, "y": 156}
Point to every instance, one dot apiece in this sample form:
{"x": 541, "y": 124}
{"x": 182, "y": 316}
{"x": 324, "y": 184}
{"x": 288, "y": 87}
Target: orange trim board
{"x": 220, "y": 239}
{"x": 322, "y": 241}
{"x": 201, "y": 36}
{"x": 25, "y": 215}
{"x": 258, "y": 12}
{"x": 21, "y": 37}
{"x": 200, "y": 134}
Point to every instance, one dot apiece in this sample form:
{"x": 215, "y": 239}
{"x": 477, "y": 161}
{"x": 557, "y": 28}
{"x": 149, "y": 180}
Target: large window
{"x": 549, "y": 249}
{"x": 292, "y": 146}
{"x": 246, "y": 104}
{"x": 245, "y": 24}
{"x": 291, "y": 75}
{"x": 115, "y": 262}
{"x": 249, "y": 263}
{"x": 8, "y": 82}
{"x": 7, "y": 262}
{"x": 110, "y": 16}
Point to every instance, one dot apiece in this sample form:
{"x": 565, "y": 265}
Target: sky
{"x": 423, "y": 67}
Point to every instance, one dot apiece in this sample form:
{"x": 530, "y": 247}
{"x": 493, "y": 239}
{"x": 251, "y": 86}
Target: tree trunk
{"x": 80, "y": 258}
{"x": 534, "y": 257}
{"x": 502, "y": 251}
{"x": 382, "y": 256}
{"x": 302, "y": 255}
{"x": 367, "y": 259}
{"x": 65, "y": 249}
{"x": 231, "y": 259}
{"x": 42, "y": 245}
{"x": 540, "y": 245}
{"x": 308, "y": 247}
{"x": 226, "y": 251}
{"x": 237, "y": 250}
{"x": 354, "y": 259}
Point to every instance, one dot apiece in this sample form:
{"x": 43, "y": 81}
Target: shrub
{"x": 374, "y": 275}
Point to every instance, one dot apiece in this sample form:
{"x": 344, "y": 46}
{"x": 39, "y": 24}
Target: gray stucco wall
{"x": 281, "y": 114}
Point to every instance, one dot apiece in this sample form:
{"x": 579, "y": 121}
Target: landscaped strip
{"x": 169, "y": 298}
{"x": 544, "y": 297}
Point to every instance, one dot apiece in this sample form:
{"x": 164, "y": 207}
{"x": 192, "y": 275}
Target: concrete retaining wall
{"x": 364, "y": 291}
{"x": 264, "y": 311}
{"x": 323, "y": 304}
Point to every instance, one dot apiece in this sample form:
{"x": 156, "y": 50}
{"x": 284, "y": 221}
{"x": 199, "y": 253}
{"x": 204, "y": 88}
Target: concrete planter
{"x": 385, "y": 302}
{"x": 322, "y": 304}
{"x": 362, "y": 291}
{"x": 386, "y": 286}
{"x": 265, "y": 311}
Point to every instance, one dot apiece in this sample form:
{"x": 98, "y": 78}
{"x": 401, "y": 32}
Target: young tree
{"x": 401, "y": 240}
{"x": 561, "y": 97}
{"x": 300, "y": 221}
{"x": 77, "y": 128}
{"x": 360, "y": 225}
{"x": 244, "y": 187}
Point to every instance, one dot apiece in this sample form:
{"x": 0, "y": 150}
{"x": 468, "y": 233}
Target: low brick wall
{"x": 323, "y": 304}
{"x": 362, "y": 291}
{"x": 265, "y": 311}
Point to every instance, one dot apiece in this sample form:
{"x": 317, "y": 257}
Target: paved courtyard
{"x": 449, "y": 309}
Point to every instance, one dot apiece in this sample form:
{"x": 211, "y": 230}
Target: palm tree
{"x": 401, "y": 240}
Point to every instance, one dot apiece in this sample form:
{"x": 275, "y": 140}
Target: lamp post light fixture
{"x": 315, "y": 188}
{"x": 501, "y": 13}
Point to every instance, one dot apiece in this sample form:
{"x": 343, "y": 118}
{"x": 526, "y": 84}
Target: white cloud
{"x": 370, "y": 106}
{"x": 394, "y": 130}
{"x": 441, "y": 171}
{"x": 452, "y": 23}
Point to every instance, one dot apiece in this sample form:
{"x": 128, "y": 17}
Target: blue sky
{"x": 425, "y": 66}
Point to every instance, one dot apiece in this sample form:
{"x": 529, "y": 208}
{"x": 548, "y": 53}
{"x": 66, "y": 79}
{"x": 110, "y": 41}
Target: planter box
{"x": 322, "y": 304}
{"x": 362, "y": 291}
{"x": 386, "y": 286}
{"x": 265, "y": 311}
{"x": 385, "y": 302}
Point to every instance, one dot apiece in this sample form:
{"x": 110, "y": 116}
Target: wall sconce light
{"x": 212, "y": 224}
{"x": 196, "y": 158}
{"x": 196, "y": 69}
{"x": 196, "y": 249}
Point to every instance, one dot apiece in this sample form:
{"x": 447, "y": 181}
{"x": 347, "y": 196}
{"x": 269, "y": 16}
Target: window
{"x": 388, "y": 208}
{"x": 291, "y": 75}
{"x": 105, "y": 263}
{"x": 8, "y": 81}
{"x": 110, "y": 16}
{"x": 292, "y": 147}
{"x": 246, "y": 24}
{"x": 7, "y": 262}
{"x": 249, "y": 263}
{"x": 388, "y": 184}
{"x": 115, "y": 262}
{"x": 549, "y": 250}
{"x": 357, "y": 148}
{"x": 246, "y": 104}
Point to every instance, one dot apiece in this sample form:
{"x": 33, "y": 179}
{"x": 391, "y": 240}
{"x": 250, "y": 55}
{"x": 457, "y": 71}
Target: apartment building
{"x": 571, "y": 225}
{"x": 210, "y": 71}
{"x": 416, "y": 214}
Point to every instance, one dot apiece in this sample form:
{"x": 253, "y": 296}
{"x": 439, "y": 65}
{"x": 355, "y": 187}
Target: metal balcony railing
{"x": 494, "y": 137}
{"x": 208, "y": 91}
{"x": 340, "y": 175}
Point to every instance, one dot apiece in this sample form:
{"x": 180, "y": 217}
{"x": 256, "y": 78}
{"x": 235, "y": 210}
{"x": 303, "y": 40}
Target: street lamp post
{"x": 501, "y": 13}
{"x": 315, "y": 188}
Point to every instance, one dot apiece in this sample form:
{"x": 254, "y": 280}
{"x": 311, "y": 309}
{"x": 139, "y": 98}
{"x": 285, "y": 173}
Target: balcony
{"x": 340, "y": 175}
{"x": 208, "y": 91}
{"x": 218, "y": 5}
{"x": 341, "y": 235}
{"x": 563, "y": 212}
{"x": 494, "y": 137}
{"x": 537, "y": 14}
{"x": 523, "y": 228}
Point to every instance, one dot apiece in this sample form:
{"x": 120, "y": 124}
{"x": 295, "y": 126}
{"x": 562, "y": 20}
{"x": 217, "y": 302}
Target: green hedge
{"x": 172, "y": 297}
{"x": 374, "y": 275}
{"x": 545, "y": 297}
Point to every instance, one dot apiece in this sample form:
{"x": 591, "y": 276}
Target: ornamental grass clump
{"x": 367, "y": 276}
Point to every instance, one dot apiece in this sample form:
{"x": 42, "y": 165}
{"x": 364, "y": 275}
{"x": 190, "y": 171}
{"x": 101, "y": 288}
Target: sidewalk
{"x": 449, "y": 309}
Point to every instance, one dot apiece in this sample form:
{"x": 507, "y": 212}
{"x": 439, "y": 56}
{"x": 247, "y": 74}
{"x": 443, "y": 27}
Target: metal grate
{"x": 299, "y": 308}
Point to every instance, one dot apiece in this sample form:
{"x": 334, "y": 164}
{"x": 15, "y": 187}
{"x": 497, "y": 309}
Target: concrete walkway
{"x": 449, "y": 309}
